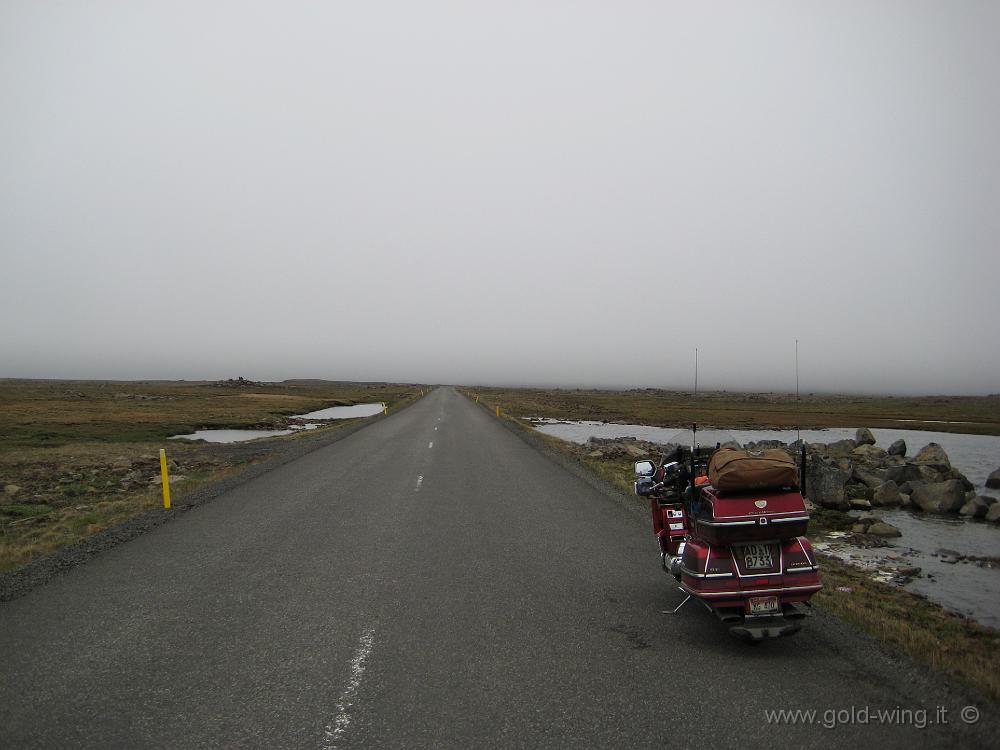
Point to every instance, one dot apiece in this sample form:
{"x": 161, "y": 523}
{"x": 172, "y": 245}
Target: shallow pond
{"x": 239, "y": 436}
{"x": 967, "y": 586}
{"x": 343, "y": 412}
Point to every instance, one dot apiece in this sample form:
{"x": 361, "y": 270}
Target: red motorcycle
{"x": 737, "y": 545}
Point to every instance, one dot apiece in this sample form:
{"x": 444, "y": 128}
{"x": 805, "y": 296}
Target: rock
{"x": 731, "y": 444}
{"x": 839, "y": 448}
{"x": 940, "y": 497}
{"x": 993, "y": 514}
{"x": 825, "y": 484}
{"x": 898, "y": 448}
{"x": 946, "y": 552}
{"x": 11, "y": 489}
{"x": 595, "y": 454}
{"x": 904, "y": 500}
{"x": 881, "y": 528}
{"x": 956, "y": 474}
{"x": 869, "y": 476}
{"x": 906, "y": 473}
{"x": 887, "y": 494}
{"x": 977, "y": 507}
{"x": 859, "y": 503}
{"x": 993, "y": 480}
{"x": 173, "y": 478}
{"x": 635, "y": 451}
{"x": 858, "y": 490}
{"x": 908, "y": 572}
{"x": 765, "y": 445}
{"x": 934, "y": 456}
{"x": 869, "y": 453}
{"x": 859, "y": 528}
{"x": 864, "y": 436}
{"x": 907, "y": 487}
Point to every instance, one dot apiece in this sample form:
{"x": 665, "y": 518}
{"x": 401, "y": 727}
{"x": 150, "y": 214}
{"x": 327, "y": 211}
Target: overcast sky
{"x": 572, "y": 193}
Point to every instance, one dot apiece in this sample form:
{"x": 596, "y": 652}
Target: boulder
{"x": 940, "y": 497}
{"x": 636, "y": 451}
{"x": 898, "y": 448}
{"x": 887, "y": 494}
{"x": 933, "y": 455}
{"x": 766, "y": 444}
{"x": 859, "y": 503}
{"x": 904, "y": 500}
{"x": 839, "y": 448}
{"x": 932, "y": 474}
{"x": 907, "y": 487}
{"x": 11, "y": 489}
{"x": 881, "y": 528}
{"x": 993, "y": 514}
{"x": 977, "y": 507}
{"x": 870, "y": 454}
{"x": 864, "y": 436}
{"x": 993, "y": 480}
{"x": 825, "y": 484}
{"x": 870, "y": 477}
{"x": 731, "y": 444}
{"x": 862, "y": 491}
{"x": 956, "y": 474}
{"x": 906, "y": 473}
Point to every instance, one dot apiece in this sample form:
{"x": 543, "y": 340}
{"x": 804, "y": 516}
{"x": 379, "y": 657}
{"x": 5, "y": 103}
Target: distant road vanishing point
{"x": 430, "y": 581}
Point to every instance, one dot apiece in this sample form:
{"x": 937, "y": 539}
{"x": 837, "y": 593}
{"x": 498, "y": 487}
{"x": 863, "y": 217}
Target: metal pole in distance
{"x": 796, "y": 369}
{"x": 165, "y": 479}
{"x": 696, "y": 371}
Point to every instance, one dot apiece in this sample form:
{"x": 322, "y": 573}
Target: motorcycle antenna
{"x": 798, "y": 429}
{"x": 694, "y": 426}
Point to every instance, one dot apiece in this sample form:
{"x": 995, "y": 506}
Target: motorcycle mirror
{"x": 645, "y": 468}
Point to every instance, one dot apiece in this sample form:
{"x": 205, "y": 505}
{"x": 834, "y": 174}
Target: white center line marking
{"x": 430, "y": 444}
{"x": 420, "y": 480}
{"x": 335, "y": 730}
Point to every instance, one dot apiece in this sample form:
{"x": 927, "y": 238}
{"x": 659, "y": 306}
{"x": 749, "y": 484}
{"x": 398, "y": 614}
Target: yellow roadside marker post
{"x": 477, "y": 398}
{"x": 165, "y": 479}
{"x": 385, "y": 408}
{"x": 498, "y": 410}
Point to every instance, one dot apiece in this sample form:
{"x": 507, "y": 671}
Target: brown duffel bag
{"x": 732, "y": 470}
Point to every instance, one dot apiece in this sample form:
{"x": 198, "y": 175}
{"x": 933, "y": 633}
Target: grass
{"x": 82, "y": 455}
{"x": 905, "y": 622}
{"x": 750, "y": 410}
{"x": 40, "y": 413}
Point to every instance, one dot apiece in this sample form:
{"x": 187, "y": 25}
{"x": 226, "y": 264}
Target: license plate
{"x": 757, "y": 557}
{"x": 764, "y": 605}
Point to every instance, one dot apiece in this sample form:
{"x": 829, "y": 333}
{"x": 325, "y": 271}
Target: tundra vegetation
{"x": 940, "y": 639}
{"x": 979, "y": 415}
{"x": 78, "y": 457}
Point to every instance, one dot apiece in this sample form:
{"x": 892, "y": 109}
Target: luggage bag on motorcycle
{"x": 732, "y": 470}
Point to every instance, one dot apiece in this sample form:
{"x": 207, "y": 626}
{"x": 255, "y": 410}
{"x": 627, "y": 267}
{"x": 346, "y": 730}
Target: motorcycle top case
{"x": 739, "y": 470}
{"x": 751, "y": 516}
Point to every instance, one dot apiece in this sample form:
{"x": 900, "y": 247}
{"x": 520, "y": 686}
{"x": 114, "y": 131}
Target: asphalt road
{"x": 430, "y": 581}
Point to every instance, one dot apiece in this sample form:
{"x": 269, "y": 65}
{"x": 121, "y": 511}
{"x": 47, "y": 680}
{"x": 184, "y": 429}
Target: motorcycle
{"x": 743, "y": 554}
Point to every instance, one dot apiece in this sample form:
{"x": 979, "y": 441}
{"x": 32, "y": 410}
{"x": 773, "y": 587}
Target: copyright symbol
{"x": 970, "y": 714}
